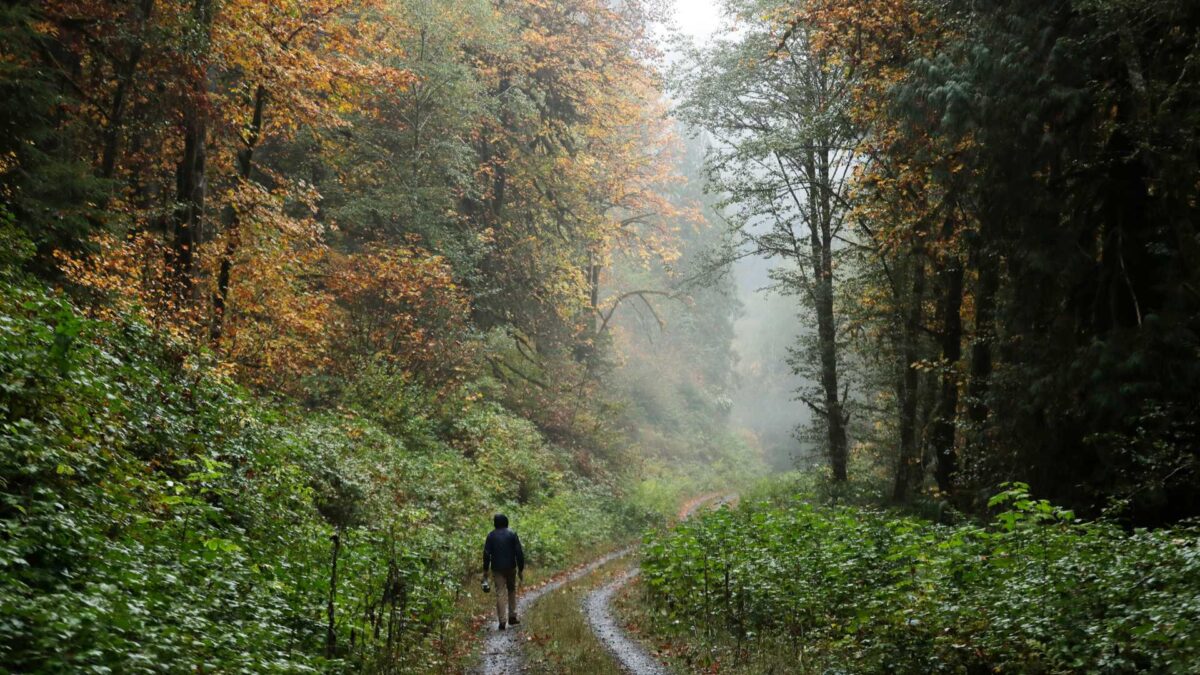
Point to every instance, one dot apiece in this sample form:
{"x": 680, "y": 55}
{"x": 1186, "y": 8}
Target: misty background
{"x": 767, "y": 324}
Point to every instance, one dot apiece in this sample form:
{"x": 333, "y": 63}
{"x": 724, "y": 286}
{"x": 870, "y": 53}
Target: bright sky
{"x": 697, "y": 18}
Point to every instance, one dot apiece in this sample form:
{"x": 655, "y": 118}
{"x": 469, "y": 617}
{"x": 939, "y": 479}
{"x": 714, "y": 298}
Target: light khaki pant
{"x": 506, "y": 594}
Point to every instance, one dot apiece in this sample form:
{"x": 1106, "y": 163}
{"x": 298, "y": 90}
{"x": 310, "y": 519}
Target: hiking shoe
{"x": 501, "y": 626}
{"x": 513, "y": 621}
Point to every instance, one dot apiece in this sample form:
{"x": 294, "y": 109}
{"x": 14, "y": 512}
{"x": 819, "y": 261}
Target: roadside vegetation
{"x": 158, "y": 514}
{"x": 783, "y": 584}
{"x": 985, "y": 211}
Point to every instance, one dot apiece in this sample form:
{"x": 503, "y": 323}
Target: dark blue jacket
{"x": 502, "y": 551}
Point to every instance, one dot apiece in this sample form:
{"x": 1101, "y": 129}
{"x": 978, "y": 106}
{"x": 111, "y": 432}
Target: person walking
{"x": 502, "y": 554}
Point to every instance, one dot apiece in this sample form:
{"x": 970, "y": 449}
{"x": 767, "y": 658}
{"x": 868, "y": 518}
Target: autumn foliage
{"x": 286, "y": 184}
{"x": 402, "y": 306}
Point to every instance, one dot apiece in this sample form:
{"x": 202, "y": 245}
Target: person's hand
{"x": 521, "y": 576}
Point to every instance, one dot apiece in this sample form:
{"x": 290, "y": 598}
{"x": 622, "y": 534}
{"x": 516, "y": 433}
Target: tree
{"x": 783, "y": 155}
{"x": 907, "y": 216}
{"x": 1015, "y": 157}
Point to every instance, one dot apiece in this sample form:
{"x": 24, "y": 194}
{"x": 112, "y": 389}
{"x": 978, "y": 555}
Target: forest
{"x": 829, "y": 336}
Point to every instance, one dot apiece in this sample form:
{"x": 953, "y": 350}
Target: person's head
{"x": 500, "y": 521}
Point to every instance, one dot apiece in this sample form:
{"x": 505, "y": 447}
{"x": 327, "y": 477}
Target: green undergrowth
{"x": 785, "y": 586}
{"x": 663, "y": 488}
{"x": 155, "y": 517}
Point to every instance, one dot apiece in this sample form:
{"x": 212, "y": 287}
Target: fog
{"x": 764, "y": 398}
{"x": 768, "y": 323}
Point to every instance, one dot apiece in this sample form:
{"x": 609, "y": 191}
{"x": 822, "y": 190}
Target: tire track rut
{"x": 597, "y": 607}
{"x": 502, "y": 649}
{"x": 502, "y": 653}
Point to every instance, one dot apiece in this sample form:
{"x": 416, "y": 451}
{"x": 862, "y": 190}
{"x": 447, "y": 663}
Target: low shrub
{"x": 856, "y": 590}
{"x": 155, "y": 517}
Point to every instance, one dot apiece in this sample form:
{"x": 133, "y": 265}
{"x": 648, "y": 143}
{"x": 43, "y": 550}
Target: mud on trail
{"x": 502, "y": 650}
{"x": 598, "y": 608}
{"x": 634, "y": 658}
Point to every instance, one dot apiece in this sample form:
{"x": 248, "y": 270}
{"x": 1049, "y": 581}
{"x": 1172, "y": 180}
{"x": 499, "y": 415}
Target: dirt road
{"x": 502, "y": 649}
{"x": 598, "y": 608}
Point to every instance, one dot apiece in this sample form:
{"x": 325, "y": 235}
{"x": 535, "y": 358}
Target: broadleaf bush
{"x": 847, "y": 589}
{"x": 156, "y": 517}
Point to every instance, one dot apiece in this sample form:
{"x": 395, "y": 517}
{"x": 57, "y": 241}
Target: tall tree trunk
{"x": 116, "y": 110}
{"x": 835, "y": 417}
{"x": 500, "y": 179}
{"x": 981, "y": 343}
{"x": 233, "y": 237}
{"x": 330, "y": 609}
{"x": 593, "y": 276}
{"x": 945, "y": 422}
{"x": 191, "y": 184}
{"x": 821, "y": 243}
{"x": 908, "y": 461}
